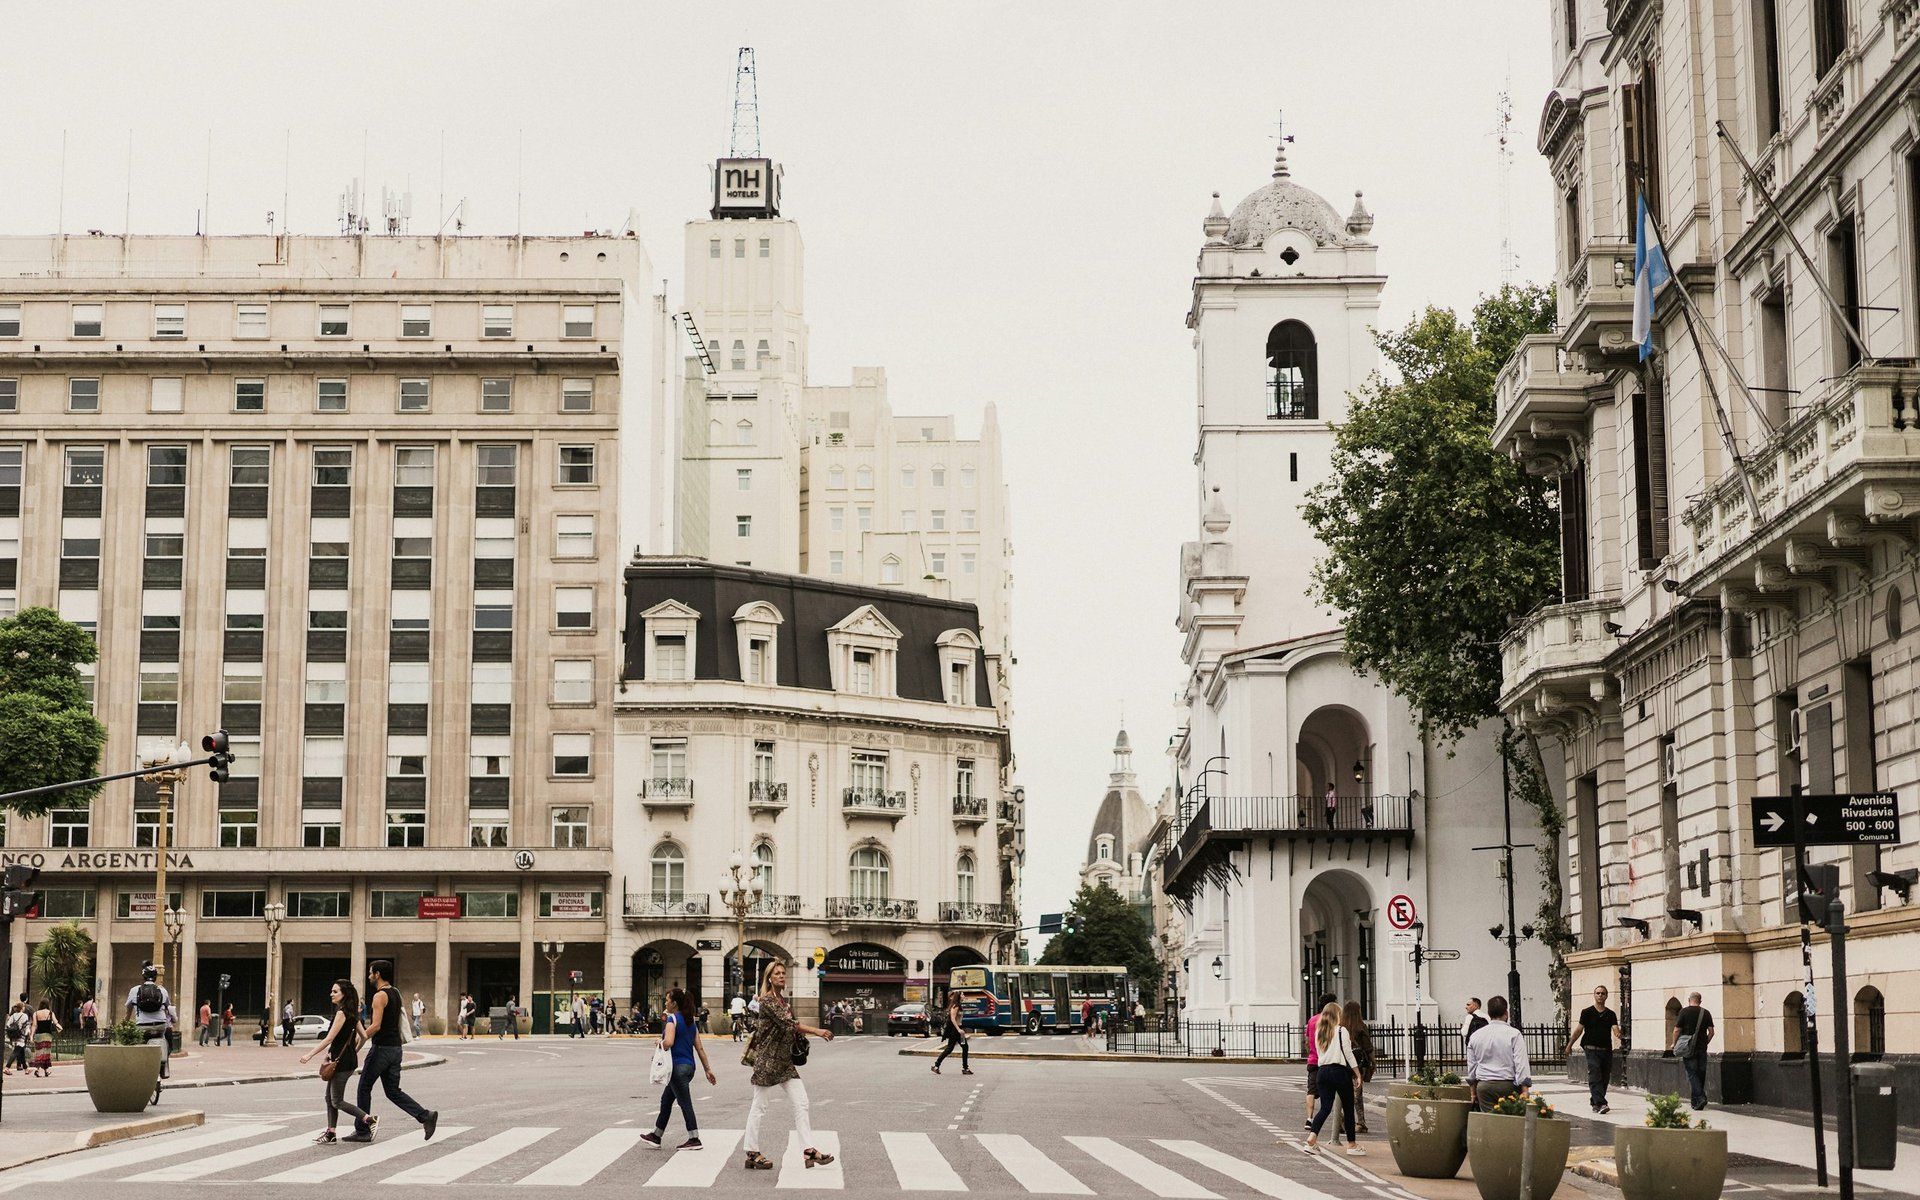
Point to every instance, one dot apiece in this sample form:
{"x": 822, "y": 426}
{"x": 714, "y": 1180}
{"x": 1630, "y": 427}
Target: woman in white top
{"x": 1339, "y": 1068}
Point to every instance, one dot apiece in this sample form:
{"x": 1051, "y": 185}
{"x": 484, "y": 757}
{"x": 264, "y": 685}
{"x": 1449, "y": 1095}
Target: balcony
{"x": 1217, "y": 824}
{"x": 667, "y": 791}
{"x": 1596, "y": 305}
{"x": 970, "y": 810}
{"x": 774, "y": 906}
{"x": 1009, "y": 813}
{"x": 1847, "y": 461}
{"x": 764, "y": 795}
{"x": 874, "y": 802}
{"x": 965, "y": 912}
{"x": 1552, "y": 661}
{"x": 1540, "y": 402}
{"x": 673, "y": 907}
{"x": 859, "y": 909}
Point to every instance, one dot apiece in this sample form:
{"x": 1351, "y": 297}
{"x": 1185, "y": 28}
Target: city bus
{"x": 1038, "y": 999}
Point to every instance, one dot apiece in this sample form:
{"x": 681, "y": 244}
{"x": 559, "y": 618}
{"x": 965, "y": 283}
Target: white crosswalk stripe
{"x": 698, "y": 1169}
{"x": 1258, "y": 1178}
{"x": 195, "y": 1168}
{"x": 76, "y": 1166}
{"x": 919, "y": 1166}
{"x": 1142, "y": 1170}
{"x": 356, "y": 1160}
{"x": 450, "y": 1168}
{"x": 580, "y": 1164}
{"x": 1031, "y": 1168}
{"x": 794, "y": 1172}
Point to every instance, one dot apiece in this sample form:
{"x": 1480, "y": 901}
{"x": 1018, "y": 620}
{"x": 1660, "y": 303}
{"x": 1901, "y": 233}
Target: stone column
{"x": 357, "y": 953}
{"x": 441, "y": 1004}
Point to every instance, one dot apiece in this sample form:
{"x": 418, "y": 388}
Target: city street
{"x": 564, "y": 1113}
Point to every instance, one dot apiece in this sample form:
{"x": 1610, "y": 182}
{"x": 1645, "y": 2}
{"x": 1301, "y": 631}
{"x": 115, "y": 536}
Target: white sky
{"x": 1001, "y": 202}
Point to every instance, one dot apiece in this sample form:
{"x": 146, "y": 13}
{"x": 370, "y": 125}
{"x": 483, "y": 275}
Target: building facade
{"x": 1316, "y": 825}
{"x": 368, "y": 494}
{"x": 1117, "y": 846}
{"x": 1737, "y": 616}
{"x": 843, "y": 742}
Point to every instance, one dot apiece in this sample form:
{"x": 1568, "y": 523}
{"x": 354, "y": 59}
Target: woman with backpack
{"x": 1339, "y": 1068}
{"x": 680, "y": 1037}
{"x": 778, "y": 1046}
{"x": 342, "y": 1048}
{"x": 1356, "y": 1027}
{"x": 18, "y": 1022}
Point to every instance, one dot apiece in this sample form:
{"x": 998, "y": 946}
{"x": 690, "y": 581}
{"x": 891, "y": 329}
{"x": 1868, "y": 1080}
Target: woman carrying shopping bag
{"x": 680, "y": 1039}
{"x": 779, "y": 1045}
{"x": 342, "y": 1048}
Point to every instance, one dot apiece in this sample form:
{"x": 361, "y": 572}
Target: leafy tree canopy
{"x": 63, "y": 967}
{"x": 1436, "y": 543}
{"x": 1112, "y": 934}
{"x": 48, "y": 733}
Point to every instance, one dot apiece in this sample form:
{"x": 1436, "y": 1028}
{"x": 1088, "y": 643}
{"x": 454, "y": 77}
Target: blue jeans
{"x": 679, "y": 1088}
{"x": 1336, "y": 1086}
{"x": 1696, "y": 1079}
{"x": 1599, "y": 1067}
{"x": 383, "y": 1063}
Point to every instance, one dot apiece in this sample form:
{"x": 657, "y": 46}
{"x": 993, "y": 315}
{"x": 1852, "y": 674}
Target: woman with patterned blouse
{"x": 770, "y": 1054}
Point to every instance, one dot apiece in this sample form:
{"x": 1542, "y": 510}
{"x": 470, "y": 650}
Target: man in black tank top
{"x": 383, "y": 1055}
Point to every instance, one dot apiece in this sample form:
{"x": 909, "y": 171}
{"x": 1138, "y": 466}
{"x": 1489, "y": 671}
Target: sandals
{"x": 757, "y": 1161}
{"x": 813, "y": 1158}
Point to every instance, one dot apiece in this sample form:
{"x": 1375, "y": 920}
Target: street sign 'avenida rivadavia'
{"x": 1858, "y": 819}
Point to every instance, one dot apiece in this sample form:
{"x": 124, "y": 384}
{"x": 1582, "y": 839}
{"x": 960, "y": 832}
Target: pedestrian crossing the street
{"x": 537, "y": 1157}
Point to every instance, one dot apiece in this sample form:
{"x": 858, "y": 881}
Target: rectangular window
{"x": 326, "y": 684}
{"x": 330, "y": 395}
{"x": 1573, "y": 534}
{"x": 869, "y": 771}
{"x": 910, "y": 520}
{"x": 159, "y": 607}
{"x": 332, "y": 466}
{"x": 969, "y": 562}
{"x": 576, "y": 465}
{"x": 166, "y": 466}
{"x": 333, "y": 320}
{"x": 573, "y": 535}
{"x": 9, "y": 320}
{"x": 742, "y": 476}
{"x": 409, "y": 683}
{"x": 327, "y": 537}
{"x": 1843, "y": 274}
{"x": 169, "y": 320}
{"x": 937, "y": 562}
{"x": 496, "y": 395}
{"x": 406, "y": 826}
{"x": 669, "y": 758}
{"x": 416, "y": 320}
{"x": 323, "y": 757}
{"x": 1766, "y": 68}
{"x": 670, "y": 656}
{"x": 250, "y": 321}
{"x": 959, "y": 684}
{"x": 220, "y": 904}
{"x": 240, "y": 682}
{"x": 496, "y": 320}
{"x": 743, "y": 526}
{"x": 576, "y": 395}
{"x": 249, "y": 466}
{"x": 497, "y": 466}
{"x": 406, "y": 756}
{"x": 757, "y": 663}
{"x": 766, "y": 247}
{"x": 837, "y": 518}
{"x": 572, "y": 681}
{"x": 939, "y": 477}
{"x": 573, "y": 608}
{"x": 865, "y": 515}
{"x": 490, "y": 683}
{"x": 413, "y": 466}
{"x": 573, "y": 754}
{"x": 87, "y": 320}
{"x": 836, "y": 562}
{"x": 863, "y": 672}
{"x": 319, "y": 904}
{"x": 966, "y": 477}
{"x": 969, "y": 519}
{"x": 83, "y": 395}
{"x": 12, "y": 465}
{"x": 1640, "y": 131}
{"x": 68, "y": 904}
{"x": 413, "y": 537}
{"x": 415, "y": 395}
{"x": 963, "y": 776}
{"x": 163, "y": 396}
{"x": 490, "y": 757}
{"x": 569, "y": 833}
{"x": 326, "y": 610}
{"x": 395, "y": 903}
{"x": 246, "y": 757}
{"x": 246, "y": 537}
{"x": 246, "y": 609}
{"x": 493, "y": 609}
{"x": 67, "y": 826}
{"x": 577, "y": 321}
{"x": 493, "y": 537}
{"x": 937, "y": 519}
{"x": 739, "y": 247}
{"x": 713, "y": 247}
{"x": 159, "y": 683}
{"x": 1650, "y": 474}
{"x": 501, "y": 904}
{"x": 1829, "y": 39}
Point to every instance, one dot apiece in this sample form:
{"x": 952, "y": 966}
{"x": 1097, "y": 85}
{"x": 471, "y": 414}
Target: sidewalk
{"x": 48, "y": 1134}
{"x": 209, "y": 1067}
{"x": 1757, "y": 1134}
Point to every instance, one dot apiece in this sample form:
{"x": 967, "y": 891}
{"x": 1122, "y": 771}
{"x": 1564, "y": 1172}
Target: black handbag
{"x": 801, "y": 1048}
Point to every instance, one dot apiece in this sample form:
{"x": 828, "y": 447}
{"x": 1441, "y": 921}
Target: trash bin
{"x": 1875, "y": 1116}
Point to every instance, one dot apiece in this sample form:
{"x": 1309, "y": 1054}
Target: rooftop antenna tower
{"x": 745, "y": 142}
{"x": 353, "y": 218}
{"x": 397, "y": 208}
{"x": 1503, "y": 146}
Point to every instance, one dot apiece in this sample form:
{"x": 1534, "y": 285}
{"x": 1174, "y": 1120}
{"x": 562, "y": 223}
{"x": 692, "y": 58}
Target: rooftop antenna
{"x": 396, "y": 208}
{"x": 1503, "y": 146}
{"x": 745, "y": 142}
{"x": 353, "y": 218}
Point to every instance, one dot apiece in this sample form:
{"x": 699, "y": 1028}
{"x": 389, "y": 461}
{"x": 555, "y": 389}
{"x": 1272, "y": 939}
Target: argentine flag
{"x": 1649, "y": 272}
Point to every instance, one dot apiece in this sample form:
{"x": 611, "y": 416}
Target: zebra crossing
{"x": 262, "y": 1153}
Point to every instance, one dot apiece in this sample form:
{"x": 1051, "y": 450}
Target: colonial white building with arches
{"x": 1309, "y": 800}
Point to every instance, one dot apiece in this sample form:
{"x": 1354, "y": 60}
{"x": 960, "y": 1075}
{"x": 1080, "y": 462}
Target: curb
{"x": 1600, "y": 1170}
{"x": 428, "y": 1060}
{"x": 141, "y": 1128}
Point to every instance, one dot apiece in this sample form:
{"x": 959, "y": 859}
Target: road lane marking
{"x": 793, "y": 1167}
{"x": 698, "y": 1168}
{"x": 450, "y": 1168}
{"x": 196, "y": 1167}
{"x": 919, "y": 1165}
{"x": 1029, "y": 1167}
{"x": 78, "y": 1165}
{"x": 334, "y": 1167}
{"x": 1142, "y": 1170}
{"x": 1258, "y": 1178}
{"x": 580, "y": 1164}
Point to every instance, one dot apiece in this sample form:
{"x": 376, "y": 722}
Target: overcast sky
{"x": 1001, "y": 202}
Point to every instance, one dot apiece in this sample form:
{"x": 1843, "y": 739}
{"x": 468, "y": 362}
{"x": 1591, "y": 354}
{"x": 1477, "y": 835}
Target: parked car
{"x": 908, "y": 1019}
{"x": 309, "y": 1026}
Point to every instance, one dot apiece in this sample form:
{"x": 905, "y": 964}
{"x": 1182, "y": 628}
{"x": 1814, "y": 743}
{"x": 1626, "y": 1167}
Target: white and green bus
{"x": 1039, "y": 999}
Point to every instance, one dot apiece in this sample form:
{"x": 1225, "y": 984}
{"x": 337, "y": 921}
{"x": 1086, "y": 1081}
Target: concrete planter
{"x": 120, "y": 1079}
{"x": 1428, "y": 1137}
{"x": 1493, "y": 1148}
{"x": 1670, "y": 1164}
{"x": 1445, "y": 1091}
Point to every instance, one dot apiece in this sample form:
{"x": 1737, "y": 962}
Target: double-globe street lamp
{"x": 552, "y": 952}
{"x": 741, "y": 890}
{"x": 273, "y": 914}
{"x": 176, "y": 923}
{"x": 171, "y": 769}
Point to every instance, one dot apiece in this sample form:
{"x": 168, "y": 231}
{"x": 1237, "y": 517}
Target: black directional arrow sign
{"x": 1859, "y": 819}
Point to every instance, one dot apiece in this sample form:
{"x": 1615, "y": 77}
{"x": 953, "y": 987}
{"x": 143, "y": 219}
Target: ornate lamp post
{"x": 273, "y": 914}
{"x": 551, "y": 951}
{"x": 176, "y": 922}
{"x": 740, "y": 890}
{"x": 165, "y": 780}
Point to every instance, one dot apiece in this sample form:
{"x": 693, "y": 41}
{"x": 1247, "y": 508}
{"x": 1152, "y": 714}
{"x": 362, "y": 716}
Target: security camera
{"x": 1670, "y": 585}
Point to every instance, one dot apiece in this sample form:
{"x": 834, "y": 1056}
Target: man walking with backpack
{"x": 384, "y": 1042}
{"x": 149, "y": 1005}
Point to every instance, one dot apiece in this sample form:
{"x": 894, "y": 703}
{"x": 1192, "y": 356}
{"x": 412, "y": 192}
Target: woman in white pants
{"x": 770, "y": 1054}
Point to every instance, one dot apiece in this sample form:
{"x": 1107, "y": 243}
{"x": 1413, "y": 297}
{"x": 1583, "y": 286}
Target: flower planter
{"x": 1670, "y": 1164}
{"x": 1428, "y": 1137}
{"x": 1493, "y": 1149}
{"x": 1439, "y": 1091}
{"x": 120, "y": 1079}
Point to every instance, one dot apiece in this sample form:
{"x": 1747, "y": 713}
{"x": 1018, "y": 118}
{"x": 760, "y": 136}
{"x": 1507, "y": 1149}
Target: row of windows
{"x": 869, "y": 873}
{"x": 167, "y": 395}
{"x": 71, "y": 827}
{"x": 891, "y": 569}
{"x": 251, "y": 466}
{"x": 329, "y": 537}
{"x": 59, "y": 904}
{"x": 863, "y": 478}
{"x": 739, "y": 247}
{"x": 574, "y": 606}
{"x": 909, "y": 518}
{"x": 866, "y": 768}
{"x": 335, "y": 320}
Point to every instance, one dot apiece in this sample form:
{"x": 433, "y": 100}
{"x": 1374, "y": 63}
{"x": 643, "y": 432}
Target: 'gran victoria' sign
{"x": 93, "y": 860}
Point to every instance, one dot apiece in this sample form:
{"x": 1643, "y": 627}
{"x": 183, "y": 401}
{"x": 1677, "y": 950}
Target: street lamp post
{"x": 176, "y": 921}
{"x": 273, "y": 914}
{"x": 740, "y": 890}
{"x": 166, "y": 779}
{"x": 551, "y": 951}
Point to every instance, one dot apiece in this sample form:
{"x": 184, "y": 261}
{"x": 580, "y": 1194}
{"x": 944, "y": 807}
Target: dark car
{"x": 908, "y": 1019}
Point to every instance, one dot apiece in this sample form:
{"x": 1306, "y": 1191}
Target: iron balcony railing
{"x": 970, "y": 808}
{"x": 874, "y": 800}
{"x": 775, "y": 906}
{"x": 966, "y": 912}
{"x": 766, "y": 793}
{"x": 860, "y": 908}
{"x": 668, "y": 789}
{"x": 1009, "y": 812}
{"x": 668, "y": 907}
{"x": 1350, "y": 815}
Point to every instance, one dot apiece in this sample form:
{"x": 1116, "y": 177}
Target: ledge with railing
{"x": 1207, "y": 819}
{"x": 775, "y": 906}
{"x": 970, "y": 809}
{"x": 861, "y": 908}
{"x": 874, "y": 801}
{"x": 667, "y": 789}
{"x": 765, "y": 793}
{"x": 672, "y": 906}
{"x": 966, "y": 912}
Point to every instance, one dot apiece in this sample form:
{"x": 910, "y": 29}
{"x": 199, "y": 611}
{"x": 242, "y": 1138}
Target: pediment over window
{"x": 759, "y": 611}
{"x": 958, "y": 639}
{"x": 866, "y": 621}
{"x": 670, "y": 609}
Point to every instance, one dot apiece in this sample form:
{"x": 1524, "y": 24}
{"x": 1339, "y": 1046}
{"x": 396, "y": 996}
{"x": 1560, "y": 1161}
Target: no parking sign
{"x": 1401, "y": 913}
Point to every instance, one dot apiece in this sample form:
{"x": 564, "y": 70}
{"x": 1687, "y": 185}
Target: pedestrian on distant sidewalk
{"x": 286, "y": 1024}
{"x": 680, "y": 1034}
{"x": 1313, "y": 1058}
{"x": 579, "y": 1027}
{"x": 18, "y": 1022}
{"x": 737, "y": 1012}
{"x": 1597, "y": 1032}
{"x": 226, "y": 1027}
{"x": 513, "y": 1019}
{"x": 776, "y": 1036}
{"x": 419, "y": 1011}
{"x": 206, "y": 1021}
{"x": 383, "y": 1058}
{"x": 1497, "y": 1063}
{"x": 956, "y": 1036}
{"x": 89, "y": 1018}
{"x": 1339, "y": 1068}
{"x": 342, "y": 1048}
{"x": 1692, "y": 1030}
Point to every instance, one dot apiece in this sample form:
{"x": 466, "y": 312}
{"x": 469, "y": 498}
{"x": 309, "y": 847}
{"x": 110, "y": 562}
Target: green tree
{"x": 1112, "y": 934}
{"x": 48, "y": 733}
{"x": 63, "y": 967}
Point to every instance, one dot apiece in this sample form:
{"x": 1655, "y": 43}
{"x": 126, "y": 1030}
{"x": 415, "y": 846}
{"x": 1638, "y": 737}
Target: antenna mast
{"x": 745, "y": 142}
{"x": 1503, "y": 142}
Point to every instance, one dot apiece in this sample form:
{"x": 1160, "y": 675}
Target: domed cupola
{"x": 1284, "y": 204}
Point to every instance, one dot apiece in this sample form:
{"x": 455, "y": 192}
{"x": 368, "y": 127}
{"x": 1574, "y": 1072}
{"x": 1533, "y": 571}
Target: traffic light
{"x": 219, "y": 755}
{"x": 1819, "y": 887}
{"x": 1071, "y": 923}
{"x": 16, "y": 900}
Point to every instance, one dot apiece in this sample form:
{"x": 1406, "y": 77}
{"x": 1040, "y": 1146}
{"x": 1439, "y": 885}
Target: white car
{"x": 309, "y": 1026}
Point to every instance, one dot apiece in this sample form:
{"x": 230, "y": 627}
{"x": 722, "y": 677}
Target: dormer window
{"x": 959, "y": 652}
{"x": 864, "y": 653}
{"x": 757, "y": 628}
{"x": 670, "y": 630}
{"x": 670, "y": 656}
{"x": 889, "y": 569}
{"x": 1106, "y": 849}
{"x": 863, "y": 669}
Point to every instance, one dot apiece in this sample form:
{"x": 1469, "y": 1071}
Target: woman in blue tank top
{"x": 681, "y": 1036}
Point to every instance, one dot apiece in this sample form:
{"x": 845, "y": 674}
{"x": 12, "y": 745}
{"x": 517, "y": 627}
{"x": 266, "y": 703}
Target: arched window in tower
{"x": 760, "y": 354}
{"x": 1293, "y": 373}
{"x": 964, "y": 878}
{"x": 743, "y": 433}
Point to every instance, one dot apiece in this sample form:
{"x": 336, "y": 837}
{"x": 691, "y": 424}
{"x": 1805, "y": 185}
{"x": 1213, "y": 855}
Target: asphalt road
{"x": 559, "y": 1113}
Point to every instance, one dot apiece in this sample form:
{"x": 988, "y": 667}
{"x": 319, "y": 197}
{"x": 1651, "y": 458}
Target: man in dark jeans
{"x": 383, "y": 1055}
{"x": 1692, "y": 1030}
{"x": 1597, "y": 1031}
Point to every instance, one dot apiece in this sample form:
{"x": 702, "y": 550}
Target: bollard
{"x": 1526, "y": 1153}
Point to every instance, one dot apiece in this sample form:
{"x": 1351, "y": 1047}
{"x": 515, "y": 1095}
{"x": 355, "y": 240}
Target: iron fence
{"x": 1396, "y": 1047}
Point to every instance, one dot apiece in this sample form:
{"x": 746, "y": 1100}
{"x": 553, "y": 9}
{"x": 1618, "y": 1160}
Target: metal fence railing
{"x": 1396, "y": 1047}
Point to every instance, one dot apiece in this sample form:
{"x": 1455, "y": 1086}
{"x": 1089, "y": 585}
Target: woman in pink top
{"x": 1313, "y": 1060}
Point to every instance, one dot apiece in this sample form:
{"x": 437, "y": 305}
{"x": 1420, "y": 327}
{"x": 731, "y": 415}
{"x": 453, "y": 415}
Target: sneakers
{"x": 430, "y": 1124}
{"x": 1311, "y": 1146}
{"x": 326, "y": 1139}
{"x": 651, "y": 1139}
{"x": 692, "y": 1143}
{"x": 357, "y": 1136}
{"x": 1604, "y": 1108}
{"x": 1355, "y": 1152}
{"x": 966, "y": 1070}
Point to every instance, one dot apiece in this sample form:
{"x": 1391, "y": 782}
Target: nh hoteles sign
{"x": 746, "y": 187}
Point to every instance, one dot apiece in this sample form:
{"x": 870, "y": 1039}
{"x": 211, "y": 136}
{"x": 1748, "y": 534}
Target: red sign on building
{"x": 435, "y": 907}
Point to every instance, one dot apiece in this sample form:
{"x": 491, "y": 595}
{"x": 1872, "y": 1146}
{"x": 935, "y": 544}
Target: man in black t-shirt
{"x": 1597, "y": 1031}
{"x": 1694, "y": 1028}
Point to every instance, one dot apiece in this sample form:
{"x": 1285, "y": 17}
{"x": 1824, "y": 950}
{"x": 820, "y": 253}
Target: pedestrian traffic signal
{"x": 219, "y": 755}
